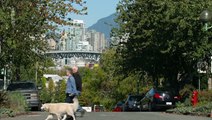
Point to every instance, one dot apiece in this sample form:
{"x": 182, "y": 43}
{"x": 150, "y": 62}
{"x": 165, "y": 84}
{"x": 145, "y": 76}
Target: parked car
{"x": 118, "y": 107}
{"x": 158, "y": 99}
{"x": 132, "y": 103}
{"x": 29, "y": 91}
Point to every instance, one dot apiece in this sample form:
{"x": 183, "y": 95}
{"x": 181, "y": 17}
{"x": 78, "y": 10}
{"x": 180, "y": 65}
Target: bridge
{"x": 91, "y": 55}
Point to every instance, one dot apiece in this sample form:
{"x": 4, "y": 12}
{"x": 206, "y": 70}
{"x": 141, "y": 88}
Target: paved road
{"x": 116, "y": 116}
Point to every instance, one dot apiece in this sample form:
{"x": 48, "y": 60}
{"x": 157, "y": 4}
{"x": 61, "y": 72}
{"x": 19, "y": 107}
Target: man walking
{"x": 78, "y": 81}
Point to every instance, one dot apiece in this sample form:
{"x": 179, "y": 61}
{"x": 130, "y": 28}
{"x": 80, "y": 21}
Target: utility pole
{"x": 5, "y": 78}
{"x": 0, "y": 43}
{"x": 1, "y": 38}
{"x": 36, "y": 72}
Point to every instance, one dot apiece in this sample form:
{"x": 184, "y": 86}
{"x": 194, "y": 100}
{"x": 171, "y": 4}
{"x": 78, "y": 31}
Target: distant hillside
{"x": 105, "y": 25}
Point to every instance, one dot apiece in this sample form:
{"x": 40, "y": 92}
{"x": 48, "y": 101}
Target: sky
{"x": 97, "y": 9}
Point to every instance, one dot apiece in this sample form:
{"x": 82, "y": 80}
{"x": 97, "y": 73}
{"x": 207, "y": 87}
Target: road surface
{"x": 116, "y": 116}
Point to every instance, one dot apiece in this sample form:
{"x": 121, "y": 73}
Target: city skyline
{"x": 77, "y": 38}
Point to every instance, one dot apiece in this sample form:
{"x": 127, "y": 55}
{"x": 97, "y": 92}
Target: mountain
{"x": 105, "y": 25}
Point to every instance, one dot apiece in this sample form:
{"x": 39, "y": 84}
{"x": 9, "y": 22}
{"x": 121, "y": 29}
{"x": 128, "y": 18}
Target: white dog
{"x": 61, "y": 109}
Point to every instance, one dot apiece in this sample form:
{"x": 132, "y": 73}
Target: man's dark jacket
{"x": 78, "y": 81}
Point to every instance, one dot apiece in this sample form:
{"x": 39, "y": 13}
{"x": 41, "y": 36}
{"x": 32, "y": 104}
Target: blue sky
{"x": 97, "y": 9}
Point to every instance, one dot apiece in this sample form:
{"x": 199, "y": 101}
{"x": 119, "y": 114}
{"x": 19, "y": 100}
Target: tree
{"x": 165, "y": 37}
{"x": 23, "y": 25}
{"x": 44, "y": 96}
{"x": 106, "y": 84}
{"x": 59, "y": 92}
{"x": 62, "y": 91}
{"x": 51, "y": 86}
{"x": 51, "y": 89}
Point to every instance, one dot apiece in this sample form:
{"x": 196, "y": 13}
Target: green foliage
{"x": 3, "y": 99}
{"x": 60, "y": 92}
{"x": 51, "y": 89}
{"x": 12, "y": 103}
{"x": 23, "y": 25}
{"x": 58, "y": 72}
{"x": 6, "y": 112}
{"x": 62, "y": 88}
{"x": 203, "y": 110}
{"x": 107, "y": 85}
{"x": 44, "y": 96}
{"x": 165, "y": 37}
{"x": 51, "y": 86}
{"x": 203, "y": 107}
{"x": 17, "y": 102}
{"x": 205, "y": 96}
{"x": 186, "y": 92}
{"x": 186, "y": 103}
{"x": 54, "y": 92}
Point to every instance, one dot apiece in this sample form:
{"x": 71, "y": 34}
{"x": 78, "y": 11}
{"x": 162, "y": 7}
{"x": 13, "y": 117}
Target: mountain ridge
{"x": 105, "y": 25}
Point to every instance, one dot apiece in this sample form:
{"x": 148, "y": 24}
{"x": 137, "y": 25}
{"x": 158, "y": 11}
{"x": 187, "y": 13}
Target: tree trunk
{"x": 209, "y": 83}
{"x": 155, "y": 81}
{"x": 17, "y": 75}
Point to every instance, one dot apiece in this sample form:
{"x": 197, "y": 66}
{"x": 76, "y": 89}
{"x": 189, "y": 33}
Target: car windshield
{"x": 21, "y": 86}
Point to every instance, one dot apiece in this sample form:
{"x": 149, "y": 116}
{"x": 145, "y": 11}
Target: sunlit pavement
{"x": 115, "y": 116}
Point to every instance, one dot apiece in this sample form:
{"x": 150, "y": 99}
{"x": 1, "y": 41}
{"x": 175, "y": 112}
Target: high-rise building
{"x": 97, "y": 40}
{"x": 76, "y": 34}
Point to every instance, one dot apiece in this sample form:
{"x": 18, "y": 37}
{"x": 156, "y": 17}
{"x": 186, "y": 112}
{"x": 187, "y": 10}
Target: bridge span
{"x": 91, "y": 55}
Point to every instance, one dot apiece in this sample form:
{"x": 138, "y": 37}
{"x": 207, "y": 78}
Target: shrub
{"x": 13, "y": 103}
{"x": 60, "y": 91}
{"x": 186, "y": 92}
{"x": 6, "y": 112}
{"x": 203, "y": 110}
{"x": 205, "y": 96}
{"x": 51, "y": 90}
{"x": 44, "y": 96}
{"x": 17, "y": 102}
{"x": 3, "y": 99}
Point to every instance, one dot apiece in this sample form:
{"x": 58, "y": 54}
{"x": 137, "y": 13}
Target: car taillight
{"x": 156, "y": 95}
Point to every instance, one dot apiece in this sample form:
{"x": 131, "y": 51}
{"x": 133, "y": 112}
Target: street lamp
{"x": 1, "y": 40}
{"x": 206, "y": 18}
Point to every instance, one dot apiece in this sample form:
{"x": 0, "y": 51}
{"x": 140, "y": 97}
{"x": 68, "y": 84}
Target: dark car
{"x": 158, "y": 99}
{"x": 29, "y": 91}
{"x": 132, "y": 103}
